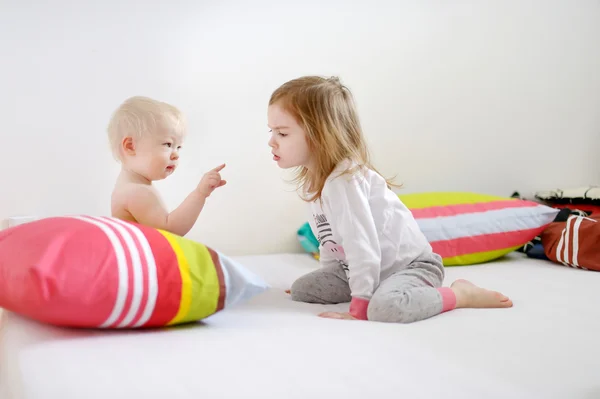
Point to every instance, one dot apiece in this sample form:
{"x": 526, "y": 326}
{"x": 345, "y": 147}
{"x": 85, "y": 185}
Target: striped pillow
{"x": 468, "y": 228}
{"x": 101, "y": 272}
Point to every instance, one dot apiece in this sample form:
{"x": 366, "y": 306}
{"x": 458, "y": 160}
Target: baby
{"x": 146, "y": 136}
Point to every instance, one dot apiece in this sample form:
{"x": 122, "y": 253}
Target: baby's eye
{"x": 179, "y": 148}
{"x": 167, "y": 144}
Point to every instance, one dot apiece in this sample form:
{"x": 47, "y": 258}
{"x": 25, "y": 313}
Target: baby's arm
{"x": 146, "y": 207}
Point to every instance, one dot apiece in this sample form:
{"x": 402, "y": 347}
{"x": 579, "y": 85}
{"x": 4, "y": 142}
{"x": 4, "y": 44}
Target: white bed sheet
{"x": 544, "y": 347}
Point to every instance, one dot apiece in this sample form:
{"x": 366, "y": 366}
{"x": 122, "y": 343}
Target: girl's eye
{"x": 278, "y": 133}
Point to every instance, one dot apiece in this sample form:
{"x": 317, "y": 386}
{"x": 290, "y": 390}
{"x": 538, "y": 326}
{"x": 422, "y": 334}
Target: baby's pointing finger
{"x": 219, "y": 168}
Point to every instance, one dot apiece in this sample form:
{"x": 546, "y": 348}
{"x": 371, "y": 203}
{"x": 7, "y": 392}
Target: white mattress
{"x": 544, "y": 347}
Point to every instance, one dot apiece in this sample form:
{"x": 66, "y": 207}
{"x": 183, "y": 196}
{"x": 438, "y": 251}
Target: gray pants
{"x": 406, "y": 296}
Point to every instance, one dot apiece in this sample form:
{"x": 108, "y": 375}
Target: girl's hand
{"x": 333, "y": 315}
{"x": 337, "y": 315}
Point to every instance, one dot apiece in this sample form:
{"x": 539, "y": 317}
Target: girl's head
{"x": 315, "y": 126}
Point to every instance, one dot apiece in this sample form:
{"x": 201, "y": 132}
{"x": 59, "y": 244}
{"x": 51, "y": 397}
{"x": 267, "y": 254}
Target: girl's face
{"x": 288, "y": 139}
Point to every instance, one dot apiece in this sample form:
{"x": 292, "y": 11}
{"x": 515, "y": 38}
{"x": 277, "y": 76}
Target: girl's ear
{"x": 128, "y": 146}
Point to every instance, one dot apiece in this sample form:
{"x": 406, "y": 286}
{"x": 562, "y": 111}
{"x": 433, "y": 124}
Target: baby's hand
{"x": 210, "y": 181}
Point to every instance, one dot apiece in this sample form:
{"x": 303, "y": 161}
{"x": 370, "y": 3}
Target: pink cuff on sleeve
{"x": 358, "y": 308}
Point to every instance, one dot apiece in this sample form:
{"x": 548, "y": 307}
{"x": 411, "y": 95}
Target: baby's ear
{"x": 128, "y": 146}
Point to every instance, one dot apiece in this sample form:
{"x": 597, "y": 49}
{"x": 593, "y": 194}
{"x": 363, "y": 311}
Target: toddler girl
{"x": 372, "y": 251}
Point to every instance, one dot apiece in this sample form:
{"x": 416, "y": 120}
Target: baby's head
{"x": 146, "y": 135}
{"x": 315, "y": 126}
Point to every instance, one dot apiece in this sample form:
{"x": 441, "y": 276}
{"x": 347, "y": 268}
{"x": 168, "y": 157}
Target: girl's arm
{"x": 352, "y": 220}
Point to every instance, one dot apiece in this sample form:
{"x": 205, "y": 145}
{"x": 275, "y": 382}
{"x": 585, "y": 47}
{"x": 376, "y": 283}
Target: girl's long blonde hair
{"x": 325, "y": 109}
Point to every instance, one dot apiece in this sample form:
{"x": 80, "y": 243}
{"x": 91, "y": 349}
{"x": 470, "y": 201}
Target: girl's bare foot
{"x": 468, "y": 295}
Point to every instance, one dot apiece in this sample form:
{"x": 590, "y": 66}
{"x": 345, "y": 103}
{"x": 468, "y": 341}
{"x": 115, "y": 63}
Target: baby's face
{"x": 157, "y": 155}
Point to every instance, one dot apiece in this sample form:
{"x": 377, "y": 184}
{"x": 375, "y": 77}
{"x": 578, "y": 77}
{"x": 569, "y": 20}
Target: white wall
{"x": 488, "y": 96}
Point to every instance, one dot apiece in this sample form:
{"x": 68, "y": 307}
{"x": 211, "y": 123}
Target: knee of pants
{"x": 300, "y": 291}
{"x": 319, "y": 290}
{"x": 390, "y": 309}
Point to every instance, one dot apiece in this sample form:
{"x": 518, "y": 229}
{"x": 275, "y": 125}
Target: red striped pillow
{"x": 468, "y": 228}
{"x": 101, "y": 272}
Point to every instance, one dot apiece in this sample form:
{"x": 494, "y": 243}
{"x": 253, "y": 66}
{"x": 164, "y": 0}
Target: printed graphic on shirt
{"x": 326, "y": 241}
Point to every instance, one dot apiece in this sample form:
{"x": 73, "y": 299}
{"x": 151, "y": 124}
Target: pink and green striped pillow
{"x": 101, "y": 272}
{"x": 469, "y": 228}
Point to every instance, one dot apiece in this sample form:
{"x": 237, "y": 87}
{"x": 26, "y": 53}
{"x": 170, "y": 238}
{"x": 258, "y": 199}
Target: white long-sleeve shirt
{"x": 363, "y": 226}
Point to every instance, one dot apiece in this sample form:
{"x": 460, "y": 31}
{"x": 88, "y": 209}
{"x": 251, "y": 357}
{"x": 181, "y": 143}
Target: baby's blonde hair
{"x": 139, "y": 116}
{"x": 325, "y": 109}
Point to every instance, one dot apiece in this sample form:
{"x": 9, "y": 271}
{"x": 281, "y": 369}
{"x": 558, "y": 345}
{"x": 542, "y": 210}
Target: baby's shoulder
{"x": 127, "y": 192}
{"x": 130, "y": 197}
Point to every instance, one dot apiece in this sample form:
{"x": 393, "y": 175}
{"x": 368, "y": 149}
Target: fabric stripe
{"x": 448, "y": 298}
{"x": 205, "y": 290}
{"x": 186, "y": 280}
{"x": 151, "y": 274}
{"x": 129, "y": 261}
{"x": 567, "y": 240}
{"x": 122, "y": 272}
{"x": 483, "y": 243}
{"x": 478, "y": 257}
{"x": 498, "y": 221}
{"x": 576, "y": 241}
{"x": 559, "y": 247}
{"x": 221, "y": 278}
{"x": 459, "y": 209}
{"x": 136, "y": 263}
{"x": 169, "y": 280}
{"x": 144, "y": 290}
{"x": 426, "y": 200}
{"x": 227, "y": 282}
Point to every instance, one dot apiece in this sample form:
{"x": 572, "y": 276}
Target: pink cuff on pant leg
{"x": 358, "y": 308}
{"x": 448, "y": 298}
